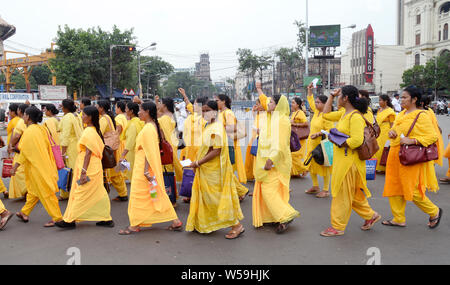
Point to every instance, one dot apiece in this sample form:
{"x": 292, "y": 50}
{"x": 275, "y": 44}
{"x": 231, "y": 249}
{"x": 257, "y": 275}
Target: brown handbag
{"x": 370, "y": 145}
{"x": 302, "y": 133}
{"x": 384, "y": 156}
{"x": 414, "y": 154}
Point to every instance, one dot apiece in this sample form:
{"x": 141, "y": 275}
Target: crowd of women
{"x": 143, "y": 143}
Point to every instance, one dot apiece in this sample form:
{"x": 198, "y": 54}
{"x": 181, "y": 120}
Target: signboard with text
{"x": 49, "y": 92}
{"x": 370, "y": 45}
{"x": 16, "y": 96}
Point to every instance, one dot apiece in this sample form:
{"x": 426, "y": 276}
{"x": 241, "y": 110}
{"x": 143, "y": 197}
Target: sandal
{"x": 243, "y": 197}
{"x": 233, "y": 234}
{"x": 437, "y": 220}
{"x": 62, "y": 199}
{"x": 331, "y": 232}
{"x": 127, "y": 231}
{"x": 4, "y": 221}
{"x": 370, "y": 223}
{"x": 304, "y": 174}
{"x": 392, "y": 224}
{"x": 176, "y": 229}
{"x": 50, "y": 224}
{"x": 121, "y": 199}
{"x": 187, "y": 200}
{"x": 445, "y": 180}
{"x": 323, "y": 194}
{"x": 312, "y": 191}
{"x": 6, "y": 194}
{"x": 21, "y": 216}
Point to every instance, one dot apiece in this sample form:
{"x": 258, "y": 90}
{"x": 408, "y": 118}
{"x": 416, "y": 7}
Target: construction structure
{"x": 23, "y": 64}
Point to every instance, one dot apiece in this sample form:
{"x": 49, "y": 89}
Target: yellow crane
{"x": 25, "y": 65}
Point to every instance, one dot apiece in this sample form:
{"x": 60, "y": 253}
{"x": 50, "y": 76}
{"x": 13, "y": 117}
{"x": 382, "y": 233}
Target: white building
{"x": 425, "y": 29}
{"x": 388, "y": 65}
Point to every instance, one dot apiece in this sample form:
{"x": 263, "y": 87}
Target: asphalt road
{"x": 301, "y": 244}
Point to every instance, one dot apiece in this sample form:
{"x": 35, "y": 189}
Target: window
{"x": 418, "y": 18}
{"x": 417, "y": 59}
{"x": 445, "y": 8}
{"x": 445, "y": 32}
{"x": 440, "y": 33}
{"x": 417, "y": 39}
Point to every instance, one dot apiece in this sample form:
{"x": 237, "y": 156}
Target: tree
{"x": 42, "y": 75}
{"x": 82, "y": 58}
{"x": 415, "y": 76}
{"x": 153, "y": 68}
{"x": 291, "y": 59}
{"x": 250, "y": 64}
{"x": 301, "y": 37}
{"x": 194, "y": 87}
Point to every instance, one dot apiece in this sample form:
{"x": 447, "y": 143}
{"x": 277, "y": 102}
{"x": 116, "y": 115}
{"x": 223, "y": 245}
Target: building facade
{"x": 425, "y": 24}
{"x": 203, "y": 68}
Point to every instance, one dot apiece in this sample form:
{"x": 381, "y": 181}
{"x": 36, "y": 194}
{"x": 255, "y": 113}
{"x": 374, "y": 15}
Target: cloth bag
{"x": 295, "y": 142}
{"x": 188, "y": 180}
{"x": 171, "y": 186}
{"x": 65, "y": 179}
{"x": 337, "y": 137}
{"x": 56, "y": 149}
{"x": 7, "y": 167}
{"x": 327, "y": 150}
{"x": 371, "y": 167}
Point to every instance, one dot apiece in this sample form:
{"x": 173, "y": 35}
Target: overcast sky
{"x": 185, "y": 28}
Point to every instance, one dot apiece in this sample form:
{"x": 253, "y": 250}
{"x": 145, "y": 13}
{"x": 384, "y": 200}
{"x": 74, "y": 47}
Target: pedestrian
{"x": 298, "y": 119}
{"x": 348, "y": 182}
{"x": 36, "y": 158}
{"x": 215, "y": 201}
{"x": 369, "y": 114}
{"x": 13, "y": 120}
{"x": 168, "y": 125}
{"x": 107, "y": 124}
{"x": 407, "y": 183}
{"x": 230, "y": 123}
{"x": 385, "y": 119}
{"x": 133, "y": 129}
{"x": 143, "y": 209}
{"x": 18, "y": 184}
{"x": 70, "y": 130}
{"x": 3, "y": 188}
{"x": 121, "y": 125}
{"x": 84, "y": 103}
{"x": 318, "y": 123}
{"x": 273, "y": 168}
{"x": 5, "y": 216}
{"x": 446, "y": 179}
{"x": 52, "y": 122}
{"x": 250, "y": 160}
{"x": 396, "y": 103}
{"x": 88, "y": 199}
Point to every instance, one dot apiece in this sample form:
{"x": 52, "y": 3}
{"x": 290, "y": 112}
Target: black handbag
{"x": 108, "y": 159}
{"x": 317, "y": 154}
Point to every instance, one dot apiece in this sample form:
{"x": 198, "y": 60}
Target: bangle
{"x": 197, "y": 163}
{"x": 146, "y": 173}
{"x": 83, "y": 170}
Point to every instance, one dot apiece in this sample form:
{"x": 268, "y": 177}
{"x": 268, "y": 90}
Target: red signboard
{"x": 370, "y": 46}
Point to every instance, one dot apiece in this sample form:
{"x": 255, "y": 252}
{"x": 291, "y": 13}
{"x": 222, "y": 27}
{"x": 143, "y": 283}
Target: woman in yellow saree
{"x": 214, "y": 202}
{"x": 143, "y": 210}
{"x": 18, "y": 184}
{"x": 121, "y": 125}
{"x": 88, "y": 199}
{"x": 52, "y": 122}
{"x": 107, "y": 124}
{"x": 273, "y": 169}
{"x": 13, "y": 119}
{"x": 36, "y": 157}
{"x": 133, "y": 129}
{"x": 250, "y": 160}
{"x": 229, "y": 121}
{"x": 70, "y": 130}
{"x": 385, "y": 119}
{"x": 298, "y": 119}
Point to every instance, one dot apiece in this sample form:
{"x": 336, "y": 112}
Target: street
{"x": 416, "y": 244}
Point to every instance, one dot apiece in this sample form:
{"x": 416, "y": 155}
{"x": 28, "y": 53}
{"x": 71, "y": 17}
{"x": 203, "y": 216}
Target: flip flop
{"x": 391, "y": 224}
{"x": 50, "y": 224}
{"x": 438, "y": 219}
{"x": 312, "y": 192}
{"x": 6, "y": 221}
{"x": 176, "y": 229}
{"x": 243, "y": 197}
{"x": 235, "y": 234}
{"x": 127, "y": 231}
{"x": 121, "y": 199}
{"x": 368, "y": 225}
{"x": 20, "y": 216}
{"x": 445, "y": 180}
{"x": 331, "y": 232}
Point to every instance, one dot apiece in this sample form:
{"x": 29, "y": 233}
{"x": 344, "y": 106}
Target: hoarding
{"x": 48, "y": 92}
{"x": 370, "y": 45}
{"x": 16, "y": 96}
{"x": 325, "y": 36}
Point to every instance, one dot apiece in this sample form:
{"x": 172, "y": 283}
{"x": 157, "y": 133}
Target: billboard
{"x": 49, "y": 92}
{"x": 325, "y": 36}
{"x": 370, "y": 45}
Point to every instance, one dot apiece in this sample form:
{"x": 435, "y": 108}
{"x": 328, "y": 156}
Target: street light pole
{"x": 307, "y": 42}
{"x": 110, "y": 68}
{"x": 139, "y": 68}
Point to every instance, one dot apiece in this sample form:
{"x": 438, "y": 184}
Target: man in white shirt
{"x": 396, "y": 103}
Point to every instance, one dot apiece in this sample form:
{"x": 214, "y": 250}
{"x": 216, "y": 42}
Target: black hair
{"x": 276, "y": 98}
{"x": 92, "y": 112}
{"x": 121, "y": 105}
{"x": 52, "y": 109}
{"x": 43, "y": 106}
{"x": 426, "y": 101}
{"x": 351, "y": 92}
{"x": 133, "y": 107}
{"x": 414, "y": 92}
{"x": 34, "y": 114}
{"x": 168, "y": 102}
{"x": 366, "y": 95}
{"x": 322, "y": 98}
{"x": 150, "y": 107}
{"x": 23, "y": 108}
{"x": 299, "y": 101}
{"x": 13, "y": 107}
{"x": 106, "y": 105}
{"x": 202, "y": 100}
{"x": 69, "y": 104}
{"x": 223, "y": 97}
{"x": 213, "y": 105}
{"x": 86, "y": 102}
{"x": 388, "y": 100}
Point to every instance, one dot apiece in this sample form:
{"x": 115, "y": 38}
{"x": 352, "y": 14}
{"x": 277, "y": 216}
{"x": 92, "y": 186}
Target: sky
{"x": 185, "y": 29}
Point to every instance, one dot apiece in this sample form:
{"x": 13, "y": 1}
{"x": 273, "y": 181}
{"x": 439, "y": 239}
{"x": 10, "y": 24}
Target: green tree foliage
{"x": 290, "y": 58}
{"x": 82, "y": 58}
{"x": 301, "y": 37}
{"x": 42, "y": 75}
{"x": 250, "y": 64}
{"x": 153, "y": 68}
{"x": 194, "y": 87}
